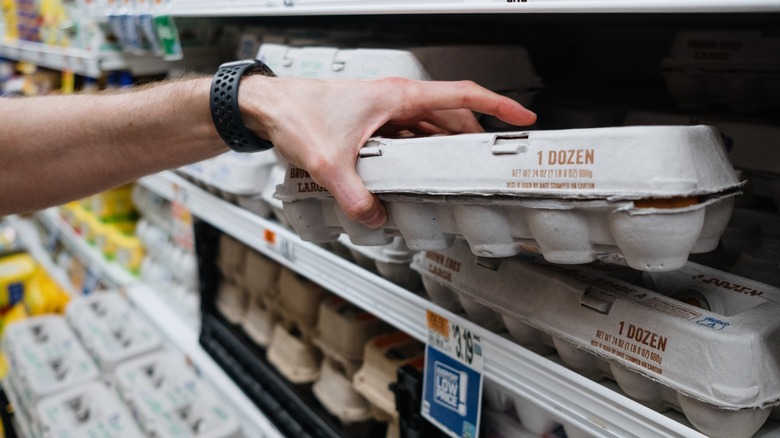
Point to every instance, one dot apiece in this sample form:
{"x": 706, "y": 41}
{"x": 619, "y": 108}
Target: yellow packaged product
{"x": 114, "y": 204}
{"x": 106, "y": 243}
{"x": 91, "y": 227}
{"x": 45, "y": 295}
{"x": 68, "y": 211}
{"x": 16, "y": 272}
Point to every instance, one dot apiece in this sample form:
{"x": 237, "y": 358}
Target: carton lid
{"x": 602, "y": 163}
{"x": 726, "y": 48}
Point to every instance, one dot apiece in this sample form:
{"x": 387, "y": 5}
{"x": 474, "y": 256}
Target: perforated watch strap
{"x": 224, "y": 106}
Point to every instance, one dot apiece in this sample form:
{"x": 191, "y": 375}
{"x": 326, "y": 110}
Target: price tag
{"x": 279, "y": 244}
{"x": 182, "y": 229}
{"x": 452, "y": 383}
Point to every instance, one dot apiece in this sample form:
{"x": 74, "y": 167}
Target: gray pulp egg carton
{"x": 740, "y": 69}
{"x": 391, "y": 261}
{"x": 698, "y": 340}
{"x": 654, "y": 194}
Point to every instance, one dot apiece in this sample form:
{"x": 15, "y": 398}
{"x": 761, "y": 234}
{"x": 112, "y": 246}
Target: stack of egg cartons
{"x": 262, "y": 281}
{"x": 232, "y": 298}
{"x": 573, "y": 196}
{"x": 167, "y": 265}
{"x": 291, "y": 349}
{"x": 110, "y": 329}
{"x": 738, "y": 69}
{"x": 170, "y": 400}
{"x": 671, "y": 339}
{"x": 45, "y": 358}
{"x": 341, "y": 334}
{"x": 382, "y": 357}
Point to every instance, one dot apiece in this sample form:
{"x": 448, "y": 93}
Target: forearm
{"x": 55, "y": 149}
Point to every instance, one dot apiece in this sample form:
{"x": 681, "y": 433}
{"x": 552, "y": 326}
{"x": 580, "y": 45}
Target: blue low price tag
{"x": 452, "y": 383}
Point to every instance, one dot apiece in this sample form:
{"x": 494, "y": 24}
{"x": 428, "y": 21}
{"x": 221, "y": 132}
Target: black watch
{"x": 224, "y": 105}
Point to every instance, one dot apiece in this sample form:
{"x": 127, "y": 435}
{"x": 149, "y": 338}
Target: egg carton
{"x": 510, "y": 415}
{"x": 261, "y": 274}
{"x": 232, "y": 301}
{"x": 277, "y": 208}
{"x": 45, "y": 358}
{"x": 421, "y": 63}
{"x": 89, "y": 410}
{"x": 343, "y": 330}
{"x": 660, "y": 347}
{"x": 334, "y": 390}
{"x": 110, "y": 329}
{"x": 259, "y": 320}
{"x": 749, "y": 143}
{"x": 168, "y": 399}
{"x": 738, "y": 68}
{"x": 383, "y": 355}
{"x": 391, "y": 261}
{"x": 231, "y": 258}
{"x": 296, "y": 359}
{"x": 651, "y": 201}
{"x": 299, "y": 301}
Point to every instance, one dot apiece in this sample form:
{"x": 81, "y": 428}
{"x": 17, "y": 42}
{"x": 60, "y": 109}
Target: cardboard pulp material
{"x": 441, "y": 295}
{"x": 232, "y": 301}
{"x": 343, "y": 330}
{"x": 170, "y": 400}
{"x": 261, "y": 274}
{"x": 274, "y": 179}
{"x": 423, "y": 63}
{"x": 383, "y": 356}
{"x": 654, "y": 194}
{"x": 88, "y": 410}
{"x": 295, "y": 359}
{"x": 738, "y": 68}
{"x": 335, "y": 392}
{"x": 299, "y": 302}
{"x": 750, "y": 144}
{"x": 391, "y": 261}
{"x": 45, "y": 358}
{"x": 259, "y": 320}
{"x": 231, "y": 258}
{"x": 110, "y": 329}
{"x": 697, "y": 339}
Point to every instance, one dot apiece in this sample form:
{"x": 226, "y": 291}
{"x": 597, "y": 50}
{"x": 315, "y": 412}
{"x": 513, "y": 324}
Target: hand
{"x": 321, "y": 125}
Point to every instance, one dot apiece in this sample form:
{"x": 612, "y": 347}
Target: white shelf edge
{"x": 91, "y": 63}
{"x": 180, "y": 334}
{"x": 193, "y": 8}
{"x": 598, "y": 410}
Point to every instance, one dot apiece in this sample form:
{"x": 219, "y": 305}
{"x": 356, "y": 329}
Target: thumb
{"x": 353, "y": 197}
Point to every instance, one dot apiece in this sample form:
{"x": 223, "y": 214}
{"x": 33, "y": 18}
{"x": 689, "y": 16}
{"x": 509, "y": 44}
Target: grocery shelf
{"x": 182, "y": 335}
{"x": 592, "y": 407}
{"x": 90, "y": 63}
{"x": 392, "y": 7}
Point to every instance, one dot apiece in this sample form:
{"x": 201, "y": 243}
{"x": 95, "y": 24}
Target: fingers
{"x": 454, "y": 121}
{"x": 437, "y": 96}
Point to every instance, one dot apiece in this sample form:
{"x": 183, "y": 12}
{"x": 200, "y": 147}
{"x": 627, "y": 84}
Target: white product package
{"x": 45, "y": 357}
{"x": 110, "y": 329}
{"x": 654, "y": 194}
{"x": 170, "y": 400}
{"x": 86, "y": 411}
{"x": 716, "y": 363}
